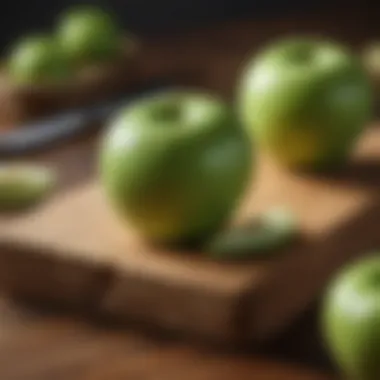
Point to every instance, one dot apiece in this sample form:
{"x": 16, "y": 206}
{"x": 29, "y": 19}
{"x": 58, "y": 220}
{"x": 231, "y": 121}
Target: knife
{"x": 34, "y": 136}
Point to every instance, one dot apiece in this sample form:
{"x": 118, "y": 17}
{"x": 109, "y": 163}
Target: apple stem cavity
{"x": 166, "y": 112}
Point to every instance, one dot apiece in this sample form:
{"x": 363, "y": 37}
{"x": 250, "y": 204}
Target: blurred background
{"x": 354, "y": 22}
{"x": 167, "y": 16}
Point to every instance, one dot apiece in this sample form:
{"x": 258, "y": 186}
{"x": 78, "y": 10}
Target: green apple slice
{"x": 22, "y": 185}
{"x": 265, "y": 234}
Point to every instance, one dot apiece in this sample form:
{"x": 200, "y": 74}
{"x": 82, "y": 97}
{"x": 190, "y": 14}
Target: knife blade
{"x": 37, "y": 135}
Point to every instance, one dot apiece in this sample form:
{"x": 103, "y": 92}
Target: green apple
{"x": 305, "y": 101}
{"x": 175, "y": 165}
{"x": 89, "y": 35}
{"x": 351, "y": 319}
{"x": 37, "y": 60}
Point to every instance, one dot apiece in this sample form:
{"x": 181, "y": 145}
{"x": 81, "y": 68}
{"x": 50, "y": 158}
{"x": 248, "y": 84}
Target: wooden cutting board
{"x": 73, "y": 250}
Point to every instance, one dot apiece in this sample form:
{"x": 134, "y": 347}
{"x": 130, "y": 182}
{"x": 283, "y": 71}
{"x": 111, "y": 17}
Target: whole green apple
{"x": 37, "y": 60}
{"x": 305, "y": 100}
{"x": 175, "y": 165}
{"x": 351, "y": 319}
{"x": 89, "y": 35}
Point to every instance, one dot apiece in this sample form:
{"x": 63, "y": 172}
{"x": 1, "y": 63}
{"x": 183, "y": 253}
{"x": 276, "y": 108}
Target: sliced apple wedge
{"x": 266, "y": 233}
{"x": 23, "y": 184}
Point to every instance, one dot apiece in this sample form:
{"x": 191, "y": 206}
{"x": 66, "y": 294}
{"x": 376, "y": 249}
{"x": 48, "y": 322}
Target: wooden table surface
{"x": 34, "y": 346}
{"x": 44, "y": 346}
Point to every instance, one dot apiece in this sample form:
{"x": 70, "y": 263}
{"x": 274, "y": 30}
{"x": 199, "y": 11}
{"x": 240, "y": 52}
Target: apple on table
{"x": 306, "y": 101}
{"x": 37, "y": 60}
{"x": 175, "y": 165}
{"x": 351, "y": 319}
{"x": 88, "y": 34}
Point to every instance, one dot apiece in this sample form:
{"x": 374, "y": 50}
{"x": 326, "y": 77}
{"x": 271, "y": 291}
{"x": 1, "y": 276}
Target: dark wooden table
{"x": 38, "y": 346}
{"x": 47, "y": 345}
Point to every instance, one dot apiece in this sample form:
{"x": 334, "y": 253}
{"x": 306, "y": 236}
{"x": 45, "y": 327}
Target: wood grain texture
{"x": 72, "y": 250}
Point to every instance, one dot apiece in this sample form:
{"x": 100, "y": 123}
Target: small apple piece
{"x": 260, "y": 238}
{"x": 351, "y": 319}
{"x": 89, "y": 35}
{"x": 37, "y": 60}
{"x": 175, "y": 165}
{"x": 305, "y": 101}
{"x": 23, "y": 185}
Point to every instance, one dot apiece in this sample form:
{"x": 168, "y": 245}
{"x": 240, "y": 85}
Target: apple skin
{"x": 89, "y": 35}
{"x": 305, "y": 101}
{"x": 37, "y": 60}
{"x": 351, "y": 319}
{"x": 175, "y": 165}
